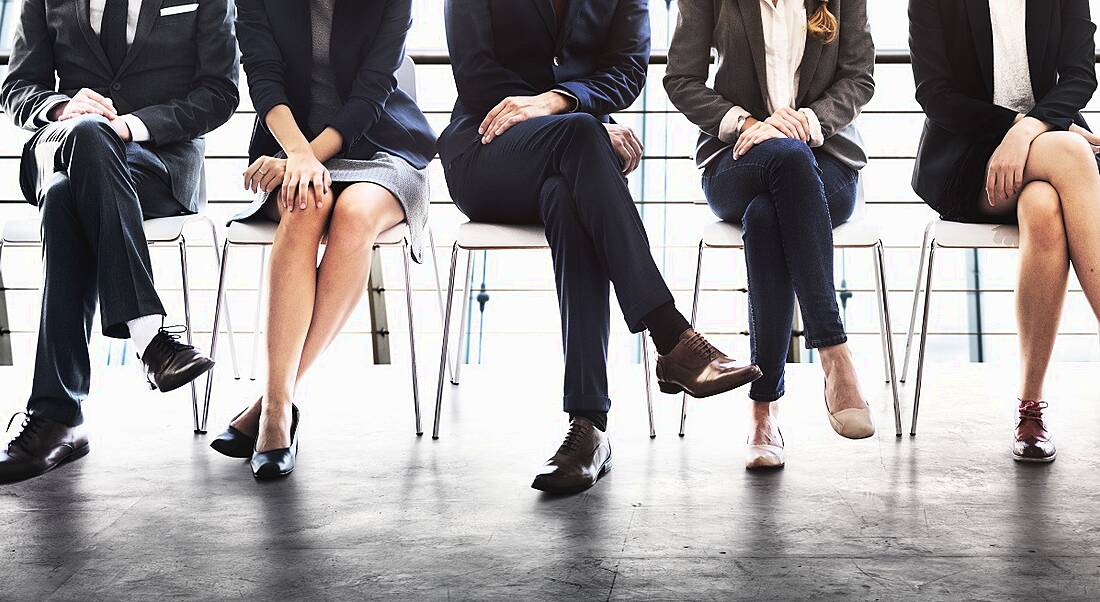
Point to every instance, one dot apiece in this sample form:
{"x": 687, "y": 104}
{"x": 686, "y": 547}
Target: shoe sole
{"x": 606, "y": 468}
{"x": 1035, "y": 460}
{"x": 73, "y": 456}
{"x": 671, "y": 388}
{"x": 201, "y": 369}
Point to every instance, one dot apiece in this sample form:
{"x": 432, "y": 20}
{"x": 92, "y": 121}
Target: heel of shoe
{"x": 669, "y": 388}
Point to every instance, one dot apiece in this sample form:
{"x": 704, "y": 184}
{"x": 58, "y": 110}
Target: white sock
{"x": 143, "y": 329}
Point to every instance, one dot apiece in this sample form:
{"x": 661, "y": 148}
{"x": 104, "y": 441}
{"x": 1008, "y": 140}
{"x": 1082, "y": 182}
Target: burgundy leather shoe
{"x": 582, "y": 459}
{"x": 697, "y": 367}
{"x": 1032, "y": 442}
{"x": 40, "y": 446}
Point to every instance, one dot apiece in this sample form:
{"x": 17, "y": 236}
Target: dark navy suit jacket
{"x": 367, "y": 48}
{"x": 501, "y": 48}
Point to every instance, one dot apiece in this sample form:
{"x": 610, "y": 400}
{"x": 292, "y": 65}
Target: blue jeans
{"x": 787, "y": 199}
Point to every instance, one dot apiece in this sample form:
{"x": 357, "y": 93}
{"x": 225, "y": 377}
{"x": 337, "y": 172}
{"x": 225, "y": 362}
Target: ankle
{"x": 837, "y": 357}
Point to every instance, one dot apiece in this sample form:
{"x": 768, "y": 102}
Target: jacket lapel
{"x": 754, "y": 29}
{"x": 1036, "y": 24}
{"x": 568, "y": 20}
{"x": 810, "y": 57}
{"x": 546, "y": 11}
{"x": 150, "y": 12}
{"x": 83, "y": 21}
{"x": 982, "y": 28}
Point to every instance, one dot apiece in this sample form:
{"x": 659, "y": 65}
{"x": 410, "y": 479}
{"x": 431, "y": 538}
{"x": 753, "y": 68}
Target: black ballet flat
{"x": 234, "y": 443}
{"x": 278, "y": 463}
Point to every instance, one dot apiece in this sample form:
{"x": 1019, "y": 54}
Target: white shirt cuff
{"x": 138, "y": 131}
{"x": 728, "y": 130}
{"x": 572, "y": 99}
{"x": 817, "y": 138}
{"x": 43, "y": 116}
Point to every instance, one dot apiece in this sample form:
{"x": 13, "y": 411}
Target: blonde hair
{"x": 822, "y": 24}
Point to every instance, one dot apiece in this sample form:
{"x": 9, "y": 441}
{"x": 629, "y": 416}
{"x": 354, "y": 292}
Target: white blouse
{"x": 784, "y": 27}
{"x": 1011, "y": 75}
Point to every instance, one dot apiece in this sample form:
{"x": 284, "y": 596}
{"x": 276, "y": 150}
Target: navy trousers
{"x": 787, "y": 199}
{"x": 561, "y": 171}
{"x": 93, "y": 191}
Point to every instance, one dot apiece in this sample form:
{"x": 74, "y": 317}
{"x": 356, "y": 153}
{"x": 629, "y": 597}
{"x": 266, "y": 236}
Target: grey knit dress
{"x": 408, "y": 184}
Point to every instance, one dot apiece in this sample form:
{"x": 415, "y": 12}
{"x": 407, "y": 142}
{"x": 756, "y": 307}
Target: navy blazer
{"x": 502, "y": 48}
{"x": 367, "y": 48}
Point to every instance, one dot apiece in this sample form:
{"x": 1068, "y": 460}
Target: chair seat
{"x": 854, "y": 234}
{"x": 482, "y": 236}
{"x": 975, "y": 236}
{"x": 161, "y": 230}
{"x": 263, "y": 233}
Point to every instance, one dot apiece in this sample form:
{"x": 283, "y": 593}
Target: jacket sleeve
{"x": 481, "y": 80}
{"x": 376, "y": 79}
{"x": 262, "y": 60}
{"x": 689, "y": 67}
{"x": 214, "y": 95}
{"x": 622, "y": 67}
{"x": 854, "y": 83}
{"x": 946, "y": 106}
{"x": 1076, "y": 68}
{"x": 30, "y": 83}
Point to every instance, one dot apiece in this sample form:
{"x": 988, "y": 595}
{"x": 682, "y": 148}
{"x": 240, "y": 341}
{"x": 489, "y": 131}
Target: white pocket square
{"x": 178, "y": 9}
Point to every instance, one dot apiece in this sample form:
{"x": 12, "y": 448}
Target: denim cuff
{"x": 826, "y": 342}
{"x": 587, "y": 403}
{"x": 770, "y": 397}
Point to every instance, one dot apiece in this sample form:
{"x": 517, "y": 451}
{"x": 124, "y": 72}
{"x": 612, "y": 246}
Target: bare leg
{"x": 841, "y": 383}
{"x": 361, "y": 213}
{"x": 765, "y": 424}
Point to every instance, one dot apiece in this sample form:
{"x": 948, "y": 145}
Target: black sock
{"x": 665, "y": 325}
{"x": 599, "y": 419}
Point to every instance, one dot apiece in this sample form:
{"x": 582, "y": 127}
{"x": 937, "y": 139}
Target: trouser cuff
{"x": 587, "y": 403}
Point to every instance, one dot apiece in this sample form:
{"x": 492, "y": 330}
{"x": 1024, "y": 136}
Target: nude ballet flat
{"x": 765, "y": 457}
{"x": 852, "y": 423}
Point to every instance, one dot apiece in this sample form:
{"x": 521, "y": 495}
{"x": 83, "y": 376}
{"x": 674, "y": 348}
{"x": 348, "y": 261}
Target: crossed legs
{"x": 309, "y": 304}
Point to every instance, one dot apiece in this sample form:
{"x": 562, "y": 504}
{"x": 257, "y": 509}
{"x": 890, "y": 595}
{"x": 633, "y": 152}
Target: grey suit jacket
{"x": 836, "y": 80}
{"x": 179, "y": 75}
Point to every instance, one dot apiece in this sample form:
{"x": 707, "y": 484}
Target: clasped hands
{"x": 302, "y": 180}
{"x": 90, "y": 102}
{"x": 784, "y": 123}
{"x": 517, "y": 109}
{"x": 1004, "y": 175}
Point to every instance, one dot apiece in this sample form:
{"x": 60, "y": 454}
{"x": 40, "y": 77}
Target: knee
{"x": 92, "y": 131}
{"x": 790, "y": 153}
{"x": 363, "y": 216}
{"x": 1039, "y": 212}
{"x": 1074, "y": 151}
{"x": 585, "y": 129}
{"x": 305, "y": 226}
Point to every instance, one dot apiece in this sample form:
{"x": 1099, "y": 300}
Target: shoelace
{"x": 169, "y": 343}
{"x": 573, "y": 437}
{"x": 702, "y": 347}
{"x": 28, "y": 430}
{"x": 1032, "y": 410}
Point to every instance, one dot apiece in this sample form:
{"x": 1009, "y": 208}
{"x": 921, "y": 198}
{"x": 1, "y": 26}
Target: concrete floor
{"x": 374, "y": 512}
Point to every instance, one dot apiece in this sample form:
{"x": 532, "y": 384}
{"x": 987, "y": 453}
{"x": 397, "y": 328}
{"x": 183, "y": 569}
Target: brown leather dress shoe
{"x": 41, "y": 446}
{"x": 695, "y": 366}
{"x": 1032, "y": 442}
{"x": 582, "y": 459}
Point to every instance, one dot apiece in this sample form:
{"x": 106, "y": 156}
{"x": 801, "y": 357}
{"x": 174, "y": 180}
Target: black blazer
{"x": 179, "y": 76}
{"x": 367, "y": 48}
{"x": 502, "y": 48}
{"x": 952, "y": 46}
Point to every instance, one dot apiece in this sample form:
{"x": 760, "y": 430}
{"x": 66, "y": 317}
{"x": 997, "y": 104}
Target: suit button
{"x": 557, "y": 61}
{"x": 116, "y": 86}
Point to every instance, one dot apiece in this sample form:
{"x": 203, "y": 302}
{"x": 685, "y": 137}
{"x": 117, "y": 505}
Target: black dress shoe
{"x": 278, "y": 463}
{"x": 582, "y": 459}
{"x": 41, "y": 446}
{"x": 234, "y": 443}
{"x": 170, "y": 364}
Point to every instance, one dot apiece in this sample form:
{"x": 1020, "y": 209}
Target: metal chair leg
{"x": 884, "y": 336}
{"x": 923, "y": 338}
{"x": 888, "y": 332}
{"x": 924, "y": 249}
{"x": 219, "y": 303}
{"x": 228, "y": 319}
{"x": 187, "y": 322}
{"x": 259, "y": 310}
{"x": 412, "y": 337}
{"x": 462, "y": 320}
{"x": 694, "y": 314}
{"x": 648, "y": 384}
{"x": 446, "y": 335}
{"x": 438, "y": 291}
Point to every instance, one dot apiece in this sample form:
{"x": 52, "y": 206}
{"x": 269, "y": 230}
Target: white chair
{"x": 262, "y": 234}
{"x": 941, "y": 234}
{"x": 855, "y": 234}
{"x": 475, "y": 236}
{"x": 166, "y": 231}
